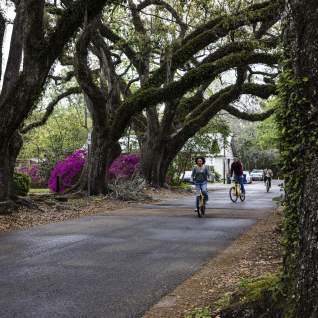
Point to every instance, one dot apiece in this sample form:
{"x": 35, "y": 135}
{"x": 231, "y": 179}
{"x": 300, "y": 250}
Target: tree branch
{"x": 60, "y": 79}
{"x": 50, "y": 108}
{"x": 15, "y": 53}
{"x": 147, "y": 97}
{"x": 72, "y": 18}
{"x": 2, "y": 30}
{"x": 169, "y": 8}
{"x": 248, "y": 116}
{"x": 210, "y": 107}
{"x": 121, "y": 43}
{"x": 212, "y": 31}
{"x": 33, "y": 33}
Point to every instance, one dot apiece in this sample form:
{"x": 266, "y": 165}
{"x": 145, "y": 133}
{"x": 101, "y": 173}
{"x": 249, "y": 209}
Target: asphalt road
{"x": 118, "y": 264}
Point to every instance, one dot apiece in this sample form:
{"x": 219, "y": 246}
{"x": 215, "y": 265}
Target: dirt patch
{"x": 255, "y": 253}
{"x": 166, "y": 194}
{"x": 49, "y": 210}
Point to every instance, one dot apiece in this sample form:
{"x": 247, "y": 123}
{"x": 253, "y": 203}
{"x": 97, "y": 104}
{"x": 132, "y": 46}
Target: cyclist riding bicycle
{"x": 268, "y": 176}
{"x": 199, "y": 177}
{"x": 237, "y": 169}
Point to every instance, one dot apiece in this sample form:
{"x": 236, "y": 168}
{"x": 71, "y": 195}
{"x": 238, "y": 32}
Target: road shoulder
{"x": 256, "y": 252}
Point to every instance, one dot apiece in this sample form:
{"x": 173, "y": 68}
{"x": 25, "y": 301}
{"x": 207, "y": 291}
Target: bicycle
{"x": 267, "y": 184}
{"x": 201, "y": 205}
{"x": 235, "y": 192}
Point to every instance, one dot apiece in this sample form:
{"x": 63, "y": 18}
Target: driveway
{"x": 119, "y": 264}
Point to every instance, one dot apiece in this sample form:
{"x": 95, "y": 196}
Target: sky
{"x": 9, "y": 13}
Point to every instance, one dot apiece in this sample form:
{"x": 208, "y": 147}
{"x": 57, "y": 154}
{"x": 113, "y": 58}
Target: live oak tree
{"x": 178, "y": 82}
{"x": 298, "y": 119}
{"x": 35, "y": 45}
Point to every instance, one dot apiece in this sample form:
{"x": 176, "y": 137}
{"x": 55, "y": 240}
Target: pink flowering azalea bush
{"x": 69, "y": 169}
{"x": 34, "y": 172}
{"x": 124, "y": 167}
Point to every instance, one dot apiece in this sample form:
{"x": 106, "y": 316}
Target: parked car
{"x": 187, "y": 176}
{"x": 247, "y": 177}
{"x": 257, "y": 174}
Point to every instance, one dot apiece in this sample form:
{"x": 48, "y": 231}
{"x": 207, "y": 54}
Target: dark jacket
{"x": 200, "y": 175}
{"x": 237, "y": 168}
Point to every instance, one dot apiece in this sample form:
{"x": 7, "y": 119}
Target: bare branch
{"x": 50, "y": 109}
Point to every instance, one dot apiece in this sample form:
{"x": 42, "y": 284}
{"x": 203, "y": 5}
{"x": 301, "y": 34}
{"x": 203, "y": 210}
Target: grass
{"x": 40, "y": 190}
{"x": 200, "y": 313}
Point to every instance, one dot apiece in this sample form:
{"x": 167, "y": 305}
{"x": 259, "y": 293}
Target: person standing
{"x": 237, "y": 169}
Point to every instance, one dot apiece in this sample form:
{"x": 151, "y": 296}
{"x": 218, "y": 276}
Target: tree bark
{"x": 5, "y": 177}
{"x": 301, "y": 45}
{"x": 22, "y": 86}
{"x": 308, "y": 276}
{"x": 154, "y": 162}
{"x": 8, "y": 155}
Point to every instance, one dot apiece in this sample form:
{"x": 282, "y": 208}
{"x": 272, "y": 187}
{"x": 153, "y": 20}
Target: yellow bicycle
{"x": 201, "y": 205}
{"x": 235, "y": 192}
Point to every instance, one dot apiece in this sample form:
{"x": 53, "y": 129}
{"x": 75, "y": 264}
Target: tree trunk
{"x": 156, "y": 157}
{"x": 102, "y": 153}
{"x": 15, "y": 146}
{"x": 308, "y": 276}
{"x": 4, "y": 171}
{"x": 8, "y": 155}
{"x": 301, "y": 45}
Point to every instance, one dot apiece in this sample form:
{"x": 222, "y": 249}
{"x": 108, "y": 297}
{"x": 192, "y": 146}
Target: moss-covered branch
{"x": 213, "y": 31}
{"x": 85, "y": 79}
{"x": 152, "y": 96}
{"x": 169, "y": 8}
{"x": 248, "y": 116}
{"x": 210, "y": 107}
{"x": 73, "y": 17}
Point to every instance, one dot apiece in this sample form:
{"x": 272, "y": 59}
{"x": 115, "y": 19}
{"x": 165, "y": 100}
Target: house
{"x": 221, "y": 162}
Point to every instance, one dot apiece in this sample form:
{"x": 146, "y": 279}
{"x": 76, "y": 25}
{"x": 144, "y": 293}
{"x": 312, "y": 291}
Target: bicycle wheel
{"x": 199, "y": 207}
{"x": 267, "y": 186}
{"x": 242, "y": 196}
{"x": 233, "y": 195}
{"x": 202, "y": 206}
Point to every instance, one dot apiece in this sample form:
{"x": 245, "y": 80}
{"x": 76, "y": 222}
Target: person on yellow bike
{"x": 237, "y": 169}
{"x": 199, "y": 177}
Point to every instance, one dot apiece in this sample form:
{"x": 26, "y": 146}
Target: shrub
{"x": 22, "y": 183}
{"x": 68, "y": 171}
{"x": 124, "y": 167}
{"x": 34, "y": 173}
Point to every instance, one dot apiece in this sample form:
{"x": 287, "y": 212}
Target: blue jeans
{"x": 198, "y": 187}
{"x": 239, "y": 180}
